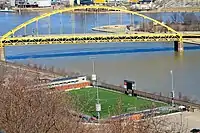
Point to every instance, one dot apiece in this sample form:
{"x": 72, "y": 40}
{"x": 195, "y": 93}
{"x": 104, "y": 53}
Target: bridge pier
{"x": 2, "y": 54}
{"x": 178, "y": 46}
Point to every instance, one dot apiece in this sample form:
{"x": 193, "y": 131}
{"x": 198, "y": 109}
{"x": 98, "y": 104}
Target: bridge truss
{"x": 97, "y": 38}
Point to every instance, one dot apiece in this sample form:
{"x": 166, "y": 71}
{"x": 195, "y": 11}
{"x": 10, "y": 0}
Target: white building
{"x": 44, "y": 3}
{"x": 78, "y": 2}
{"x": 27, "y": 3}
{"x": 12, "y": 3}
{"x": 71, "y": 2}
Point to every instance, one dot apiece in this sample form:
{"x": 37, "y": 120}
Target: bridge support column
{"x": 2, "y": 54}
{"x": 178, "y": 46}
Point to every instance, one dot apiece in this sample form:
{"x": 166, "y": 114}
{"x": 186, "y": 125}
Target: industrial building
{"x": 44, "y": 3}
{"x": 122, "y": 1}
{"x": 3, "y": 1}
{"x": 86, "y": 2}
{"x": 30, "y": 3}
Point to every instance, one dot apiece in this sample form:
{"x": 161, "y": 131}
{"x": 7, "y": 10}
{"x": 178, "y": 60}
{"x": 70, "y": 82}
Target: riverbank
{"x": 181, "y": 9}
{"x": 174, "y": 9}
{"x": 50, "y": 9}
{"x": 30, "y": 10}
{"x": 110, "y": 28}
{"x": 122, "y": 28}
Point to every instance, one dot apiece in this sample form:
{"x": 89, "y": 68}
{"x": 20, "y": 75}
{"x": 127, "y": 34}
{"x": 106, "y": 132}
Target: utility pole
{"x": 172, "y": 93}
{"x": 94, "y": 80}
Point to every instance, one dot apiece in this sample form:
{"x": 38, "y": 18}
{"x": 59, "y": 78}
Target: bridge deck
{"x": 97, "y": 38}
{"x": 91, "y": 38}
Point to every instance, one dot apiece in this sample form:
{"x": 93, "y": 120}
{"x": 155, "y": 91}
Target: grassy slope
{"x": 112, "y": 103}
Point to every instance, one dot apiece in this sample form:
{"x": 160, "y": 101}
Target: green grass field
{"x": 112, "y": 103}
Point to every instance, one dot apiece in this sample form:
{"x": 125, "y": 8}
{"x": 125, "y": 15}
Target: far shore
{"x": 121, "y": 28}
{"x": 50, "y": 9}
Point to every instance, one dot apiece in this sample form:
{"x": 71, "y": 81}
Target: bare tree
{"x": 35, "y": 66}
{"x": 28, "y": 109}
{"x": 190, "y": 18}
{"x": 52, "y": 69}
{"x": 176, "y": 17}
{"x": 119, "y": 107}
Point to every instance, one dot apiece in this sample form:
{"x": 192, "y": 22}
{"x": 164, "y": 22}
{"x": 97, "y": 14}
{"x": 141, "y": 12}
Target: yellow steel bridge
{"x": 90, "y": 38}
{"x": 10, "y": 39}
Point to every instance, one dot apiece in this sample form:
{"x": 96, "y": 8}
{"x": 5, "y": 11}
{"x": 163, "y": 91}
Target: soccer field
{"x": 112, "y": 103}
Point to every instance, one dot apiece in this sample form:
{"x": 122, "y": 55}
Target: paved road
{"x": 173, "y": 9}
{"x": 188, "y": 120}
{"x": 30, "y": 71}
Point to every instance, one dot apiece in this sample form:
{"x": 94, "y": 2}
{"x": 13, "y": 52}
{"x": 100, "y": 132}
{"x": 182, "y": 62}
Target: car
{"x": 182, "y": 108}
{"x": 195, "y": 130}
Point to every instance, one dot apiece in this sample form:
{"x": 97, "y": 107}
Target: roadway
{"x": 188, "y": 34}
{"x": 30, "y": 72}
{"x": 188, "y": 120}
{"x": 134, "y": 36}
{"x": 104, "y": 33}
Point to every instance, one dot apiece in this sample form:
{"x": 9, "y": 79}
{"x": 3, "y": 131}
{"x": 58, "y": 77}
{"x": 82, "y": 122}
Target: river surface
{"x": 149, "y": 64}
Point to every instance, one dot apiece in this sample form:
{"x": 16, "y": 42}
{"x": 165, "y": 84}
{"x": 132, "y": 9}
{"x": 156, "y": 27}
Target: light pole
{"x": 94, "y": 80}
{"x": 172, "y": 93}
{"x": 181, "y": 119}
{"x": 135, "y": 86}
